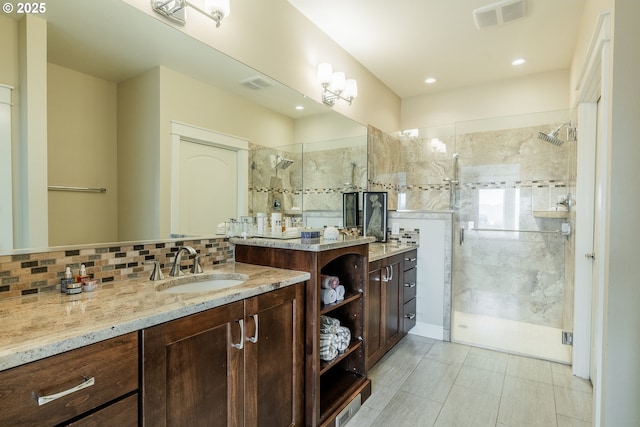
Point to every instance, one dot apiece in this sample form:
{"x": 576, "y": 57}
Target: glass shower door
{"x": 513, "y": 263}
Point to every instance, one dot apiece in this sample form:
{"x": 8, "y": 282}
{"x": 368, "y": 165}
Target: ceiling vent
{"x": 256, "y": 83}
{"x": 499, "y": 13}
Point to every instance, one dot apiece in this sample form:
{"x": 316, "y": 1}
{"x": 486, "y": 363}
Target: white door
{"x": 208, "y": 183}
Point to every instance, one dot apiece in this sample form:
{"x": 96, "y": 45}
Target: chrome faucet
{"x": 175, "y": 268}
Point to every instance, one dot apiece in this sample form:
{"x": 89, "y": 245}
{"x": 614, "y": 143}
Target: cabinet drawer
{"x": 99, "y": 373}
{"x": 410, "y": 259}
{"x": 123, "y": 413}
{"x": 409, "y": 285}
{"x": 409, "y": 316}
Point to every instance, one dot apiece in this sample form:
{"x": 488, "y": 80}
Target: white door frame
{"x": 592, "y": 85}
{"x": 182, "y": 131}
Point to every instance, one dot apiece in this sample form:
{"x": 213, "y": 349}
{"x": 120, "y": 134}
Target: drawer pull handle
{"x": 87, "y": 382}
{"x": 410, "y": 316}
{"x": 410, "y": 285}
{"x": 410, "y": 259}
{"x": 254, "y": 338}
{"x": 240, "y": 345}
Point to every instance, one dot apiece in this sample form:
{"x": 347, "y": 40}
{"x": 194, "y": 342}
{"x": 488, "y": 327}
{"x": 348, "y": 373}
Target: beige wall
{"x": 9, "y": 51}
{"x": 274, "y": 38}
{"x": 139, "y": 157}
{"x": 81, "y": 142}
{"x": 529, "y": 94}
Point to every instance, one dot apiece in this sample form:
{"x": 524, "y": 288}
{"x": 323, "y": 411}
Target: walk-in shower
{"x": 512, "y": 252}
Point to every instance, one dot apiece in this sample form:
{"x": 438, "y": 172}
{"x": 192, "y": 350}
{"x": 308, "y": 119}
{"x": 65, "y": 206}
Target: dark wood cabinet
{"x": 391, "y": 303}
{"x": 234, "y": 365}
{"x": 70, "y": 387}
{"x": 384, "y": 307}
{"x": 330, "y": 385}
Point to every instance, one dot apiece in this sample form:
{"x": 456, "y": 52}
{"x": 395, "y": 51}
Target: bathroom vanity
{"x": 121, "y": 345}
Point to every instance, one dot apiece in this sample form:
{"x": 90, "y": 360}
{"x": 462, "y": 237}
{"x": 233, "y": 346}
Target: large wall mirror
{"x": 118, "y": 83}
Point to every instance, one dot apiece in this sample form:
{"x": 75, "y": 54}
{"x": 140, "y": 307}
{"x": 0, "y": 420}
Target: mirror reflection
{"x": 112, "y": 96}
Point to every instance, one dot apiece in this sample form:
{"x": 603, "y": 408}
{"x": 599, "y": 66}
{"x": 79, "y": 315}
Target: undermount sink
{"x": 202, "y": 283}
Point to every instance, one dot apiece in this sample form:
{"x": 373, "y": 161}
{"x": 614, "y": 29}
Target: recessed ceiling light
{"x": 518, "y": 61}
{"x": 430, "y": 80}
{"x": 299, "y": 107}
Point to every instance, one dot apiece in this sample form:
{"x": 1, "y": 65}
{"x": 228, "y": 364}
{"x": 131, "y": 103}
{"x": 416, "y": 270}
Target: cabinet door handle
{"x": 410, "y": 259}
{"x": 254, "y": 338}
{"x": 240, "y": 345}
{"x": 410, "y": 285}
{"x": 386, "y": 277}
{"x": 87, "y": 382}
{"x": 410, "y": 316}
{"x": 390, "y": 267}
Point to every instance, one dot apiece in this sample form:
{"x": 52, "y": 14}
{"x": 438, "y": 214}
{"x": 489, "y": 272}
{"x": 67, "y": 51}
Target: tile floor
{"x": 424, "y": 382}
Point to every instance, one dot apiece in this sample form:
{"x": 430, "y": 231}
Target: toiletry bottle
{"x": 68, "y": 279}
{"x": 82, "y": 275}
{"x": 262, "y": 219}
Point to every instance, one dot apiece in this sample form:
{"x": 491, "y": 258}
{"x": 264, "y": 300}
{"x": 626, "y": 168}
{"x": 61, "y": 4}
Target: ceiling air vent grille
{"x": 256, "y": 83}
{"x": 499, "y": 13}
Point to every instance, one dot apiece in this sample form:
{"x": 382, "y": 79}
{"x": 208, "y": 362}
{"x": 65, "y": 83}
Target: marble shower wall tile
{"x": 329, "y": 173}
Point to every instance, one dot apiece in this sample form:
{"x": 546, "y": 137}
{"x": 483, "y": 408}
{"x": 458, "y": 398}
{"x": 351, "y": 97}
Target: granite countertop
{"x": 384, "y": 250}
{"x": 42, "y": 325}
{"x": 303, "y": 245}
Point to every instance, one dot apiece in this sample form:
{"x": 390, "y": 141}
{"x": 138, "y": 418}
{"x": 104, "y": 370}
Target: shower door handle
{"x": 461, "y": 235}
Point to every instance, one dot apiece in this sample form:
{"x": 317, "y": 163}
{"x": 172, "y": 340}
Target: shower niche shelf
{"x": 551, "y": 214}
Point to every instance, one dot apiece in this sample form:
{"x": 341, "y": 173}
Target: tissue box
{"x": 310, "y": 236}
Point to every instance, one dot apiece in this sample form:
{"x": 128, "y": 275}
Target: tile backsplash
{"x": 30, "y": 273}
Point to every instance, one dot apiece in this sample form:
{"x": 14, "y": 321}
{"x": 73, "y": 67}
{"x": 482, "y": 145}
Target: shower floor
{"x": 511, "y": 336}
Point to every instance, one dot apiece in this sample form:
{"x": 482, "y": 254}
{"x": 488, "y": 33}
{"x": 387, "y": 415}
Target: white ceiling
{"x": 404, "y": 41}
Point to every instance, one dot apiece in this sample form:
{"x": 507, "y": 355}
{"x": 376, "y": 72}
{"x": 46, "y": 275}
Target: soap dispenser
{"x": 68, "y": 279}
{"x": 82, "y": 275}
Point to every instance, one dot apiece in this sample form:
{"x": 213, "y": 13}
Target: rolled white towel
{"x": 328, "y": 350}
{"x": 329, "y": 296}
{"x": 340, "y": 291}
{"x": 329, "y": 282}
{"x": 343, "y": 335}
{"x": 328, "y": 325}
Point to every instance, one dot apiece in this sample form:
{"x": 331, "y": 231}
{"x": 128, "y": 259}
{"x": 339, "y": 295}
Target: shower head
{"x": 282, "y": 163}
{"x": 552, "y": 137}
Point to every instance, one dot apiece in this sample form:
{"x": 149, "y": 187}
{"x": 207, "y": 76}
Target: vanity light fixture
{"x": 175, "y": 10}
{"x": 335, "y": 85}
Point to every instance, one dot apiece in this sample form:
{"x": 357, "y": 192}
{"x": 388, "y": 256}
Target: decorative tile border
{"x": 31, "y": 273}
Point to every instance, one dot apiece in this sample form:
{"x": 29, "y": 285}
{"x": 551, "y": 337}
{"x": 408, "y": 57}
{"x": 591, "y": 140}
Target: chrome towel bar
{"x": 83, "y": 189}
{"x": 519, "y": 231}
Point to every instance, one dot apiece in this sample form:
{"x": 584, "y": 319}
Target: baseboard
{"x": 428, "y": 330}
